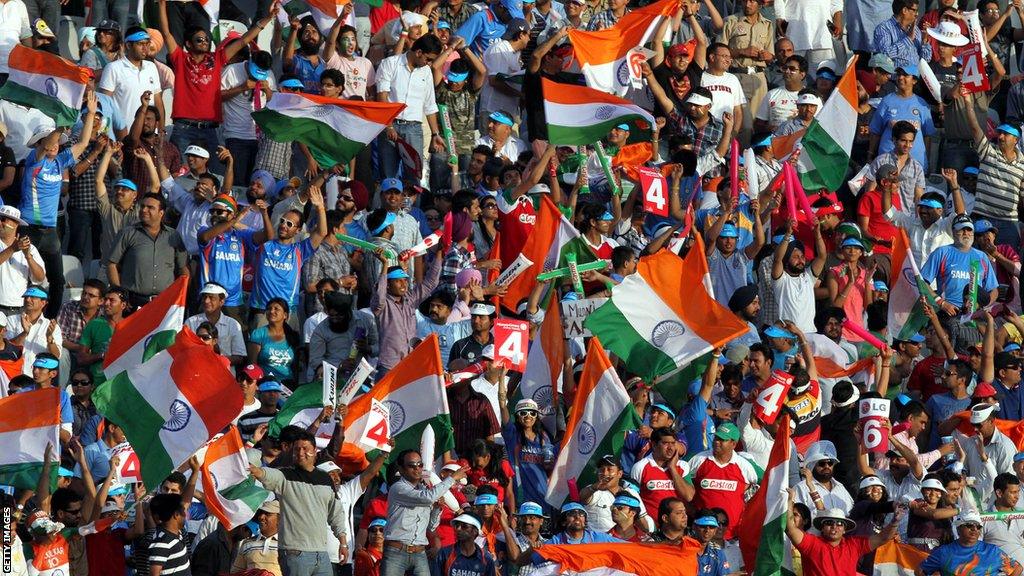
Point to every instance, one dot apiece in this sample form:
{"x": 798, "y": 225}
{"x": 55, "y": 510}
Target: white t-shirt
{"x": 348, "y": 494}
{"x": 14, "y": 276}
{"x": 14, "y": 26}
{"x": 238, "y": 109}
{"x": 35, "y": 341}
{"x": 777, "y": 107}
{"x": 726, "y": 93}
{"x": 500, "y": 58}
{"x": 359, "y": 74}
{"x": 795, "y": 296}
{"x": 414, "y": 88}
{"x": 126, "y": 84}
{"x": 511, "y": 150}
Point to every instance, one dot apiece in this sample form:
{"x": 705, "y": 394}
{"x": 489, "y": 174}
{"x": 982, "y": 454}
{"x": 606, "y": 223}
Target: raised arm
{"x": 252, "y": 33}
{"x": 778, "y": 263}
{"x": 172, "y": 44}
{"x": 316, "y": 198}
{"x": 87, "y": 123}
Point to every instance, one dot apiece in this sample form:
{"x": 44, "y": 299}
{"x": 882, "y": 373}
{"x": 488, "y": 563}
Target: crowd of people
{"x": 167, "y": 174}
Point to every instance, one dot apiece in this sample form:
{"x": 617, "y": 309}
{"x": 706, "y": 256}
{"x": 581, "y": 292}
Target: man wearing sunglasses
{"x": 819, "y": 490}
{"x": 834, "y": 552}
{"x": 968, "y": 550}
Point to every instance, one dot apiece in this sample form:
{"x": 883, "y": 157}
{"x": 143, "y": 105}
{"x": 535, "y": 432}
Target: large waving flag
{"x": 601, "y": 415}
{"x": 334, "y": 130}
{"x": 906, "y": 313}
{"x": 232, "y": 494}
{"x": 51, "y": 84}
{"x": 212, "y": 8}
{"x": 657, "y": 322}
{"x": 300, "y": 409}
{"x": 172, "y": 404}
{"x": 414, "y": 394}
{"x": 148, "y": 331}
{"x": 605, "y": 55}
{"x": 897, "y": 559}
{"x": 578, "y": 116}
{"x": 543, "y": 376}
{"x": 552, "y": 235}
{"x": 28, "y": 422}
{"x": 762, "y": 526}
{"x": 623, "y": 559}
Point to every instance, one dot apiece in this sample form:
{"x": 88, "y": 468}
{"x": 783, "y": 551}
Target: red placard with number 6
{"x": 771, "y": 396}
{"x": 655, "y": 190}
{"x": 873, "y": 413}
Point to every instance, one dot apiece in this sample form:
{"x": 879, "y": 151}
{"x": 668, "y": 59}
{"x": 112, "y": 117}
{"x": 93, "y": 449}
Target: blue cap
{"x": 35, "y": 292}
{"x": 65, "y": 473}
{"x": 457, "y": 76}
{"x": 443, "y": 25}
{"x": 397, "y": 274}
{"x": 126, "y": 183}
{"x": 256, "y": 72}
{"x": 827, "y": 75}
{"x": 391, "y": 184}
{"x": 929, "y": 203}
{"x": 389, "y": 219}
{"x": 47, "y": 363}
{"x": 982, "y": 226}
{"x": 531, "y": 509}
{"x": 972, "y": 170}
{"x": 253, "y": 526}
{"x": 778, "y": 238}
{"x": 851, "y": 241}
{"x": 626, "y": 500}
{"x": 776, "y": 332}
{"x": 270, "y": 386}
{"x": 706, "y": 521}
{"x": 378, "y": 522}
{"x": 572, "y": 507}
{"x": 910, "y": 69}
{"x": 139, "y": 36}
{"x": 1011, "y": 130}
{"x": 694, "y": 388}
{"x": 766, "y": 142}
{"x": 293, "y": 83}
{"x": 665, "y": 409}
{"x": 122, "y": 489}
{"x": 606, "y": 217}
{"x": 880, "y": 286}
{"x": 484, "y": 499}
{"x": 916, "y": 338}
{"x": 729, "y": 231}
{"x": 501, "y": 118}
{"x": 1011, "y": 347}
{"x": 1018, "y": 456}
{"x": 570, "y": 297}
{"x": 623, "y": 126}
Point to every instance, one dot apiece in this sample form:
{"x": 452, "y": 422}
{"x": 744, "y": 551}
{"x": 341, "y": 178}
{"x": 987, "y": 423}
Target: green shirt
{"x": 96, "y": 337}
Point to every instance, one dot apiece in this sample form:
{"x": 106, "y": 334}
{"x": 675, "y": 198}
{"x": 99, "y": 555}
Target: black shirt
{"x": 12, "y": 194}
{"x": 468, "y": 349}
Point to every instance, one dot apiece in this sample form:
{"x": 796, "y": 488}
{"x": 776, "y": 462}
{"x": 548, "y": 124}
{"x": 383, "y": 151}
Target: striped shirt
{"x": 168, "y": 550}
{"x": 999, "y": 183}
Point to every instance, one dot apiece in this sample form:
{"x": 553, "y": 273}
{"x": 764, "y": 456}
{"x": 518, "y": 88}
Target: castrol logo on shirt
{"x": 714, "y": 484}
{"x": 659, "y": 485}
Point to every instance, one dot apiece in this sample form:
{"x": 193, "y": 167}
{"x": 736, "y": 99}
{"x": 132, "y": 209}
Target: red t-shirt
{"x": 378, "y": 508}
{"x": 381, "y": 15}
{"x": 878, "y": 227}
{"x": 479, "y": 478}
{"x": 927, "y": 377}
{"x": 819, "y": 558}
{"x": 106, "y": 552}
{"x": 718, "y": 486}
{"x": 516, "y": 220}
{"x": 655, "y": 484}
{"x": 197, "y": 86}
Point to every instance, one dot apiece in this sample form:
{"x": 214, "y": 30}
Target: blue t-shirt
{"x": 713, "y": 561}
{"x": 894, "y": 108}
{"x": 953, "y": 559}
{"x": 951, "y": 269}
{"x": 940, "y": 407}
{"x": 447, "y": 334}
{"x": 278, "y": 271}
{"x": 222, "y": 260}
{"x": 275, "y": 357}
{"x": 589, "y": 537}
{"x": 40, "y": 187}
{"x": 481, "y": 30}
{"x": 528, "y": 461}
{"x": 1011, "y": 401}
{"x": 308, "y": 74}
{"x": 697, "y": 425}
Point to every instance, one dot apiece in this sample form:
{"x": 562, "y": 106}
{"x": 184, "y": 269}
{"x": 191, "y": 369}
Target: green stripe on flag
{"x": 585, "y": 135}
{"x": 247, "y": 492}
{"x": 611, "y": 443}
{"x": 122, "y": 403}
{"x": 618, "y": 336}
{"x": 675, "y": 389}
{"x": 306, "y": 397}
{"x": 327, "y": 146}
{"x": 770, "y": 558}
{"x": 52, "y": 107}
{"x": 830, "y": 160}
{"x": 157, "y": 343}
{"x": 26, "y": 475}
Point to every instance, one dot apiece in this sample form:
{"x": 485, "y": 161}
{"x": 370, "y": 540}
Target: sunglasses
{"x": 971, "y": 526}
{"x": 825, "y": 463}
{"x": 289, "y": 224}
{"x": 832, "y": 523}
{"x": 347, "y": 198}
{"x": 527, "y": 413}
{"x": 201, "y": 40}
{"x": 377, "y": 530}
{"x": 489, "y": 206}
{"x": 414, "y": 464}
{"x": 81, "y": 383}
{"x": 218, "y": 212}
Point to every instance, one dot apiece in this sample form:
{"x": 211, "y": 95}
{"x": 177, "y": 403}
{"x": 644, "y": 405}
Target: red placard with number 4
{"x": 972, "y": 76}
{"x": 771, "y": 396}
{"x": 655, "y": 189}
{"x": 378, "y": 427}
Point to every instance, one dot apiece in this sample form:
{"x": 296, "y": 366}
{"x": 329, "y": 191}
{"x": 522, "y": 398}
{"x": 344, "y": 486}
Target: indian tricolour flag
{"x": 212, "y": 8}
{"x": 172, "y": 404}
{"x": 28, "y": 422}
{"x": 657, "y": 323}
{"x": 414, "y": 394}
{"x": 47, "y": 82}
{"x": 148, "y": 331}
{"x": 232, "y": 494}
{"x": 607, "y": 56}
{"x": 897, "y": 559}
{"x": 601, "y": 415}
{"x": 334, "y": 130}
{"x": 578, "y": 116}
{"x": 906, "y": 313}
{"x": 762, "y": 526}
{"x": 542, "y": 380}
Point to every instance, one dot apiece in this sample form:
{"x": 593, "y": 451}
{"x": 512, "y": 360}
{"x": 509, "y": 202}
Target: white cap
{"x": 38, "y": 135}
{"x": 934, "y": 484}
{"x": 467, "y": 519}
{"x": 328, "y": 467}
{"x": 197, "y": 151}
{"x": 698, "y": 100}
{"x": 869, "y": 481}
{"x": 110, "y": 507}
{"x": 8, "y": 211}
{"x": 830, "y": 64}
{"x": 451, "y": 467}
{"x": 214, "y": 288}
{"x": 820, "y": 450}
{"x": 539, "y": 188}
{"x": 488, "y": 352}
{"x": 982, "y": 412}
{"x": 481, "y": 309}
{"x": 808, "y": 99}
{"x": 967, "y": 517}
{"x": 948, "y": 33}
{"x": 527, "y": 404}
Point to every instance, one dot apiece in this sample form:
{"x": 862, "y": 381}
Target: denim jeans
{"x": 296, "y": 563}
{"x": 47, "y": 242}
{"x": 84, "y": 234}
{"x": 48, "y": 10}
{"x": 390, "y": 161}
{"x": 182, "y": 136}
{"x": 120, "y": 11}
{"x": 957, "y": 154}
{"x": 396, "y": 562}
{"x": 244, "y": 153}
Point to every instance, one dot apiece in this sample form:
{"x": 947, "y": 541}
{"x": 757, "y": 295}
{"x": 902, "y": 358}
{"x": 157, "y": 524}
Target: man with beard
{"x": 306, "y": 65}
{"x": 821, "y": 490}
{"x": 795, "y": 280}
{"x": 679, "y": 69}
{"x": 705, "y": 135}
{"x": 223, "y": 251}
{"x": 330, "y": 261}
{"x": 144, "y": 135}
{"x": 953, "y": 267}
{"x": 433, "y": 319}
{"x": 575, "y": 529}
{"x": 527, "y": 535}
{"x": 213, "y": 299}
{"x": 334, "y": 339}
{"x": 471, "y": 348}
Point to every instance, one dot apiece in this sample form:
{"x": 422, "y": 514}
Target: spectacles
{"x": 832, "y": 523}
{"x": 527, "y": 413}
{"x": 81, "y": 383}
{"x": 218, "y": 212}
{"x": 414, "y": 464}
{"x": 346, "y": 198}
{"x": 205, "y": 337}
{"x": 289, "y": 224}
{"x": 489, "y": 206}
{"x": 620, "y": 507}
